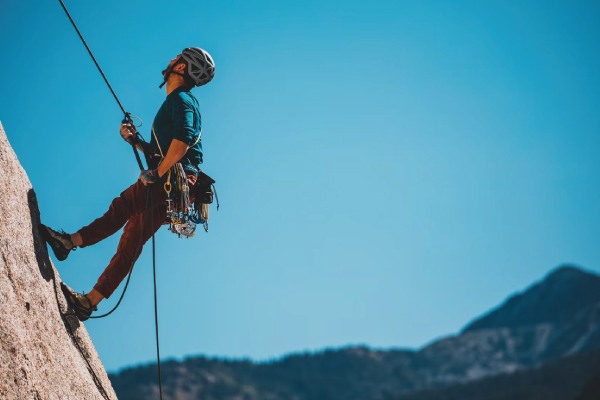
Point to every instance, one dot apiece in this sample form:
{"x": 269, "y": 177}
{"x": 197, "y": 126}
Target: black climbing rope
{"x": 63, "y": 315}
{"x": 155, "y": 295}
{"x": 127, "y": 116}
{"x": 92, "y": 55}
{"x": 128, "y": 119}
{"x": 85, "y": 357}
{"x": 135, "y": 256}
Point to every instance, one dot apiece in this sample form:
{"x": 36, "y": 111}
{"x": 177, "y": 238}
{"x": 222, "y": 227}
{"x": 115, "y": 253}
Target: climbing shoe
{"x": 60, "y": 242}
{"x": 79, "y": 302}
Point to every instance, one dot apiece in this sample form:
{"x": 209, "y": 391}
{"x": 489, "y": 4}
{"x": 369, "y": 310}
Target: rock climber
{"x": 176, "y": 133}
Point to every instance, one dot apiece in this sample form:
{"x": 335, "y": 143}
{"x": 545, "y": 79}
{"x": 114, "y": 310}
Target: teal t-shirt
{"x": 179, "y": 118}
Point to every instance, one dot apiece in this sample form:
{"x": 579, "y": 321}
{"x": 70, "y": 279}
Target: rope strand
{"x": 125, "y": 113}
{"x": 136, "y": 254}
{"x": 92, "y": 55}
{"x": 155, "y": 294}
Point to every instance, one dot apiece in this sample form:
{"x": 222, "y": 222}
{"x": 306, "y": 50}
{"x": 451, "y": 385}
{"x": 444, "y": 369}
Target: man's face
{"x": 173, "y": 61}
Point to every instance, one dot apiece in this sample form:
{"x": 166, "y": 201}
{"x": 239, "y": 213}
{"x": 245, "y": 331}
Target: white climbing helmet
{"x": 200, "y": 65}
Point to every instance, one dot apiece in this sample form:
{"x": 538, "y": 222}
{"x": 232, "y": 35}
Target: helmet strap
{"x": 169, "y": 72}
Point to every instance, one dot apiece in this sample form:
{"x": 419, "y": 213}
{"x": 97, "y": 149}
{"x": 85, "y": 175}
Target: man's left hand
{"x": 149, "y": 176}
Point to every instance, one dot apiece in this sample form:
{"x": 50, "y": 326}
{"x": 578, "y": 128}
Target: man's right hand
{"x": 127, "y": 133}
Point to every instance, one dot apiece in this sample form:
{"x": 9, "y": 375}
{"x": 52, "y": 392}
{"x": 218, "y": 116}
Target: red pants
{"x": 128, "y": 210}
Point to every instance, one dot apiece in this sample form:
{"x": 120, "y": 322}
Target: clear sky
{"x": 387, "y": 170}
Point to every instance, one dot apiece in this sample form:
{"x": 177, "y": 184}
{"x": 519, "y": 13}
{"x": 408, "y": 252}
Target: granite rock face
{"x": 45, "y": 353}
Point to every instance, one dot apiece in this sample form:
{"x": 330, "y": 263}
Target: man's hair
{"x": 187, "y": 79}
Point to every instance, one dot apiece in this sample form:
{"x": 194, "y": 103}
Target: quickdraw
{"x": 179, "y": 212}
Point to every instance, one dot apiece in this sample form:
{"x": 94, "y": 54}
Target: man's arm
{"x": 139, "y": 147}
{"x": 184, "y": 134}
{"x": 176, "y": 152}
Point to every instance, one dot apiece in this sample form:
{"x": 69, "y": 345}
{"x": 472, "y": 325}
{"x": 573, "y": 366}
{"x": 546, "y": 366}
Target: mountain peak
{"x": 567, "y": 271}
{"x": 563, "y": 293}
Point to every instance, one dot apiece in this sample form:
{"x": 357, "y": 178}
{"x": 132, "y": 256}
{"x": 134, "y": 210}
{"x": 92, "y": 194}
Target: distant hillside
{"x": 556, "y": 317}
{"x": 561, "y": 379}
{"x": 511, "y": 338}
{"x": 563, "y": 294}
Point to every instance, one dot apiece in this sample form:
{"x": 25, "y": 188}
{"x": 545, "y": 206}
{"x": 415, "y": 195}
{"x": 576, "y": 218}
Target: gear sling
{"x": 182, "y": 216}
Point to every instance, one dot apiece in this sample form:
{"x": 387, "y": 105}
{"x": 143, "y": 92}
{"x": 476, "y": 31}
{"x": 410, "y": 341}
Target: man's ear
{"x": 180, "y": 68}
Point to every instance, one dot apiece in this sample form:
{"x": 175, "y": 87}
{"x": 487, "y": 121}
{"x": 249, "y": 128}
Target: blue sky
{"x": 388, "y": 170}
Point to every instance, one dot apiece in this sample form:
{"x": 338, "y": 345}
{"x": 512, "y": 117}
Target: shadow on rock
{"x": 43, "y": 261}
{"x": 39, "y": 245}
